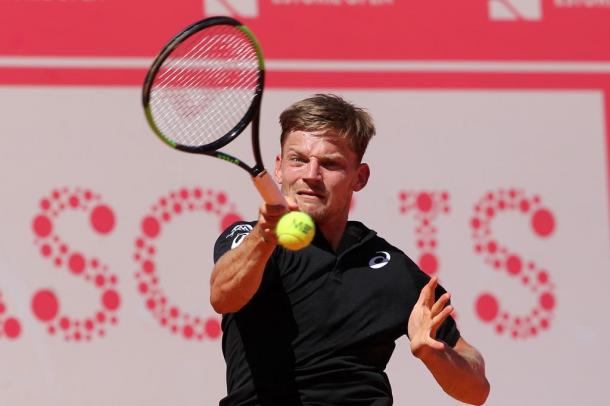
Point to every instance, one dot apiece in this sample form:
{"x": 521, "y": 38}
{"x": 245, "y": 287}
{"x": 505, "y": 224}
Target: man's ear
{"x": 362, "y": 177}
{"x": 278, "y": 169}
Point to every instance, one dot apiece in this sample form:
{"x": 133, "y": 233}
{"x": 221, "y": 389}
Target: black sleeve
{"x": 448, "y": 331}
{"x": 231, "y": 237}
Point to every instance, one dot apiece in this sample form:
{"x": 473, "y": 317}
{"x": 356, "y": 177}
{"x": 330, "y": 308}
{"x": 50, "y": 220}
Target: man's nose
{"x": 313, "y": 170}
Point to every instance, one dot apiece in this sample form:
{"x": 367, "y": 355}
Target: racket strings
{"x": 205, "y": 86}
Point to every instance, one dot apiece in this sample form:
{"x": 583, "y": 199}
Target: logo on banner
{"x": 234, "y": 8}
{"x": 515, "y": 10}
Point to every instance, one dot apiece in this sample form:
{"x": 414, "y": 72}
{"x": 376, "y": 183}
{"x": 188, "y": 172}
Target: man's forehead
{"x": 297, "y": 137}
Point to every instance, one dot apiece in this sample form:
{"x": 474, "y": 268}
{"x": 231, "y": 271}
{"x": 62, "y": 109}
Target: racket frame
{"x": 252, "y": 115}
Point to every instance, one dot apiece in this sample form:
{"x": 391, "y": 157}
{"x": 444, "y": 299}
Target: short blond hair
{"x": 329, "y": 112}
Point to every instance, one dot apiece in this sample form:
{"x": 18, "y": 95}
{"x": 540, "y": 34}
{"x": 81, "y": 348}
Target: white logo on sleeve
{"x": 239, "y": 233}
{"x": 380, "y": 260}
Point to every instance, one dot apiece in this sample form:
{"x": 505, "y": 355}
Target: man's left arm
{"x": 459, "y": 370}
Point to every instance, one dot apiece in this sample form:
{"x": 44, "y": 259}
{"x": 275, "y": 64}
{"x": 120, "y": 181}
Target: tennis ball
{"x": 295, "y": 230}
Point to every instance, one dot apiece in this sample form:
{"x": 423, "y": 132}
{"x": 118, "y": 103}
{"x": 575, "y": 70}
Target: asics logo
{"x": 239, "y": 233}
{"x": 380, "y": 260}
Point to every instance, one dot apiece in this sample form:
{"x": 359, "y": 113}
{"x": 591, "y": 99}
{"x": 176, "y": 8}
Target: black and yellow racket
{"x": 204, "y": 88}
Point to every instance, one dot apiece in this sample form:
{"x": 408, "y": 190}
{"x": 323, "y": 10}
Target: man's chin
{"x": 316, "y": 212}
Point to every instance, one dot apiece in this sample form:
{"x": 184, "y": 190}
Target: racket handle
{"x": 268, "y": 189}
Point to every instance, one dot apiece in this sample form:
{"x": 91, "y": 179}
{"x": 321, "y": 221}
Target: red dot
{"x": 229, "y": 219}
{"x": 44, "y": 204}
{"x": 492, "y": 247}
{"x": 514, "y": 265}
{"x": 424, "y": 202}
{"x": 143, "y": 288}
{"x": 74, "y": 201}
{"x": 100, "y": 316}
{"x": 100, "y": 280}
{"x": 45, "y": 250}
{"x": 42, "y": 226}
{"x": 475, "y": 222}
{"x": 221, "y": 198}
{"x": 151, "y": 304}
{"x": 174, "y": 312}
{"x": 111, "y": 300}
{"x": 188, "y": 332}
{"x": 148, "y": 266}
{"x": 64, "y": 323}
{"x": 212, "y": 328}
{"x": 12, "y": 328}
{"x": 428, "y": 263}
{"x": 76, "y": 263}
{"x": 177, "y": 208}
{"x": 544, "y": 323}
{"x": 89, "y": 325}
{"x": 151, "y": 227}
{"x": 45, "y": 305}
{"x": 524, "y": 206}
{"x": 543, "y": 277}
{"x": 487, "y": 307}
{"x": 543, "y": 222}
{"x": 102, "y": 219}
{"x": 2, "y": 308}
{"x": 547, "y": 301}
{"x": 197, "y": 193}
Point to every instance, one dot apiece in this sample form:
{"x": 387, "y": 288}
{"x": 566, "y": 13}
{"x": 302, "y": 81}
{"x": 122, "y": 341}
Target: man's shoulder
{"x": 374, "y": 242}
{"x": 232, "y": 236}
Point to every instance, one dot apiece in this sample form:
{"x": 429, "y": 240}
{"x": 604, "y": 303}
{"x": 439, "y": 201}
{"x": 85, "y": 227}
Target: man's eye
{"x": 332, "y": 165}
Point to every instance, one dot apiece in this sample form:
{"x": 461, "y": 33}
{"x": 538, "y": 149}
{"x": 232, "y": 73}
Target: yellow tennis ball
{"x": 295, "y": 230}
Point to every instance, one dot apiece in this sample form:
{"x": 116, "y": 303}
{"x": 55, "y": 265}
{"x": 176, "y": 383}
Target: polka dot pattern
{"x": 10, "y": 327}
{"x": 502, "y": 259}
{"x": 177, "y": 203}
{"x": 425, "y": 208}
{"x": 45, "y": 303}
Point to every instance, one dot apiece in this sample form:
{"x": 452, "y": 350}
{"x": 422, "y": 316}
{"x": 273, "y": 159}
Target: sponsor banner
{"x": 319, "y": 29}
{"x": 107, "y": 235}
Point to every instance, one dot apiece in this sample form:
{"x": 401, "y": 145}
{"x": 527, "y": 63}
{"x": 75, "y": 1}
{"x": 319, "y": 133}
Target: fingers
{"x": 292, "y": 203}
{"x": 440, "y": 304}
{"x": 426, "y": 296}
{"x": 268, "y": 217}
{"x": 440, "y": 318}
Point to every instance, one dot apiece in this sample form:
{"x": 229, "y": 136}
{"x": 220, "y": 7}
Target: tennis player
{"x": 318, "y": 326}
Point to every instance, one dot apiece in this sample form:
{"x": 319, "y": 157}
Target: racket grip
{"x": 268, "y": 189}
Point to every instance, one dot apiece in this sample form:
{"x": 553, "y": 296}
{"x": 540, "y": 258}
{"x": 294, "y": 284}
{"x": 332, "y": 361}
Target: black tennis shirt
{"x": 322, "y": 326}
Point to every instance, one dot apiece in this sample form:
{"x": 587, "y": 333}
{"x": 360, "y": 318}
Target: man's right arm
{"x": 238, "y": 273}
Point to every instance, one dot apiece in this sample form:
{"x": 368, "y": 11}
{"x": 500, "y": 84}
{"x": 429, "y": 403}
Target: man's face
{"x": 320, "y": 172}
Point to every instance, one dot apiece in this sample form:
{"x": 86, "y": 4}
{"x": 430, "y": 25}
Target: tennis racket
{"x": 204, "y": 88}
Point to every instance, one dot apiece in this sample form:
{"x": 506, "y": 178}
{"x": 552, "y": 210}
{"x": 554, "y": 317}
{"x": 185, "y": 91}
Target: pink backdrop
{"x": 490, "y": 169}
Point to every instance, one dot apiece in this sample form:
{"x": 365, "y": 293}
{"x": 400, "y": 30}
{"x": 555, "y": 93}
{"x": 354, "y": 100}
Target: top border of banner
{"x": 445, "y": 30}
